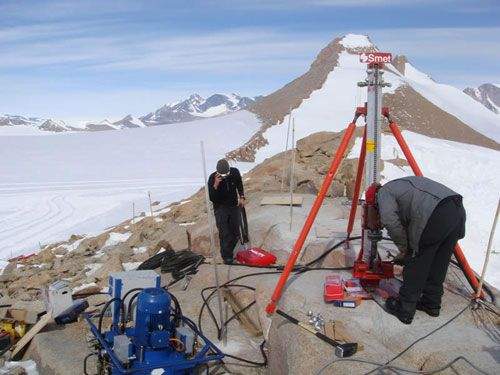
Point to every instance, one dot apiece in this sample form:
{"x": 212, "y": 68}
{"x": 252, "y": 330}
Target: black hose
{"x": 101, "y": 316}
{"x": 486, "y": 288}
{"x": 155, "y": 261}
{"x": 242, "y": 225}
{"x": 181, "y": 263}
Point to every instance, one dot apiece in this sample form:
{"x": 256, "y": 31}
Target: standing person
{"x": 225, "y": 189}
{"x": 425, "y": 219}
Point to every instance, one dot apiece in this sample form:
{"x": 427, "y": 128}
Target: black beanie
{"x": 222, "y": 166}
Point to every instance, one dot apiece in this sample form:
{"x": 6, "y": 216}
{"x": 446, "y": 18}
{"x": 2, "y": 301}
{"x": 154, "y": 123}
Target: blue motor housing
{"x": 156, "y": 342}
{"x": 153, "y": 325}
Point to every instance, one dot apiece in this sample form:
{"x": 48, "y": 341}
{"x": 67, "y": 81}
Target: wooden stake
{"x": 150, "y": 204}
{"x": 286, "y": 149}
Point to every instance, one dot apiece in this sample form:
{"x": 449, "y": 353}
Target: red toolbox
{"x": 333, "y": 288}
{"x": 255, "y": 256}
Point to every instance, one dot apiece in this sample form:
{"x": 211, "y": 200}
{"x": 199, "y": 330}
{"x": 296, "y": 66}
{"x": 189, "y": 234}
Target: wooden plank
{"x": 281, "y": 200}
{"x": 31, "y": 333}
{"x": 337, "y": 331}
{"x": 244, "y": 319}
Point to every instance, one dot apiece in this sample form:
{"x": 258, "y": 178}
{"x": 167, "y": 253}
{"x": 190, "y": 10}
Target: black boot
{"x": 432, "y": 311}
{"x": 393, "y": 307}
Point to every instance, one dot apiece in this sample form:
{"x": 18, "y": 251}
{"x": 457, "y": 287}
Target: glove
{"x": 399, "y": 259}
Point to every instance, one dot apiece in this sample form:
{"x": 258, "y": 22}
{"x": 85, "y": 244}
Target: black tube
{"x": 101, "y": 316}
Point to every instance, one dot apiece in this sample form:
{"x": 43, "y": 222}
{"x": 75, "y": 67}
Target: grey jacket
{"x": 405, "y": 206}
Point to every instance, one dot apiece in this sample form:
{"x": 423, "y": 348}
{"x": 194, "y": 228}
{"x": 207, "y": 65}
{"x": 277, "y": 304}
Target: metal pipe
{"x": 212, "y": 239}
{"x": 271, "y": 307}
{"x": 357, "y": 185}
{"x": 292, "y": 172}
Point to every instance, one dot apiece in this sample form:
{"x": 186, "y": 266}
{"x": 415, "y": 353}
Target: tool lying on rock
{"x": 341, "y": 350}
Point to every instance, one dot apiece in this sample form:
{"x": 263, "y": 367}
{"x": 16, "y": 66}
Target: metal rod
{"x": 488, "y": 251}
{"x": 292, "y": 172}
{"x": 286, "y": 148}
{"x": 212, "y": 239}
{"x": 271, "y": 307}
{"x": 357, "y": 185}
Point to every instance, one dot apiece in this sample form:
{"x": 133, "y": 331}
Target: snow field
{"x": 63, "y": 184}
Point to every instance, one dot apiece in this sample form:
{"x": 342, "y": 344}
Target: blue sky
{"x": 95, "y": 59}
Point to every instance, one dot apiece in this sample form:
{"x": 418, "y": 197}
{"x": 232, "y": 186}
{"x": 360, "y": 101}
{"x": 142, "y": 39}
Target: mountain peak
{"x": 355, "y": 41}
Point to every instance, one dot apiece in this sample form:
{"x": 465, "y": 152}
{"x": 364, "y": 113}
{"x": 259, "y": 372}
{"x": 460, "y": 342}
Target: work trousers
{"x": 424, "y": 273}
{"x": 227, "y": 221}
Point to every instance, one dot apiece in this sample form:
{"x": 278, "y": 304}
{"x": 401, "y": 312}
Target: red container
{"x": 333, "y": 288}
{"x": 256, "y": 257}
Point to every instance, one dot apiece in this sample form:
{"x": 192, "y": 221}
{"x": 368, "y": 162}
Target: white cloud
{"x": 225, "y": 52}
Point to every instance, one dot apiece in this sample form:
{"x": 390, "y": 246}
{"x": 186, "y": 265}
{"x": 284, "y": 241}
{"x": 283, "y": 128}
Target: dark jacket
{"x": 405, "y": 206}
{"x": 228, "y": 190}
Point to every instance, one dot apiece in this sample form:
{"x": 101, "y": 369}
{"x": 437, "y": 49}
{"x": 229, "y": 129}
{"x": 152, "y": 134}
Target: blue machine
{"x": 159, "y": 340}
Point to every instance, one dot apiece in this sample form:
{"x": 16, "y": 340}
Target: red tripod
{"x": 362, "y": 269}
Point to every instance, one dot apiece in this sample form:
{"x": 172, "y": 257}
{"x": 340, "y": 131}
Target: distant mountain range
{"x": 193, "y": 108}
{"x": 487, "y": 94}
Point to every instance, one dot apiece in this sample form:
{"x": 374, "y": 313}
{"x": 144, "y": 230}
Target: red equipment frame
{"x": 360, "y": 268}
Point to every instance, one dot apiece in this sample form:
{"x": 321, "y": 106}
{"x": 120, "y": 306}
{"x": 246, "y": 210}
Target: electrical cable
{"x": 486, "y": 287}
{"x": 425, "y": 336}
{"x": 85, "y": 362}
{"x": 242, "y": 225}
{"x": 101, "y": 316}
{"x": 382, "y": 366}
{"x": 155, "y": 261}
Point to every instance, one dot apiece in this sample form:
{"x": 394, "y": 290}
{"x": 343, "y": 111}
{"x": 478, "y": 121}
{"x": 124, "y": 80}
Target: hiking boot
{"x": 393, "y": 307}
{"x": 432, "y": 311}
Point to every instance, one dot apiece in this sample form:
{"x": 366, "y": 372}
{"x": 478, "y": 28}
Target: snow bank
{"x": 116, "y": 238}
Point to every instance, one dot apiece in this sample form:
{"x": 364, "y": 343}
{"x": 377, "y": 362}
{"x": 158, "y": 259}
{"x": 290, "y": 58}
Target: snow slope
{"x": 467, "y": 169}
{"x": 456, "y": 102}
{"x": 331, "y": 108}
{"x": 60, "y": 184}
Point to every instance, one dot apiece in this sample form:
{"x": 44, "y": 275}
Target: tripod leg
{"x": 357, "y": 185}
{"x": 271, "y": 307}
{"x": 464, "y": 265}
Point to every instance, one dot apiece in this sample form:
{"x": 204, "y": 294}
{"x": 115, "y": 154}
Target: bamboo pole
{"x": 286, "y": 149}
{"x": 488, "y": 251}
{"x": 292, "y": 172}
{"x": 212, "y": 241}
{"x": 150, "y": 203}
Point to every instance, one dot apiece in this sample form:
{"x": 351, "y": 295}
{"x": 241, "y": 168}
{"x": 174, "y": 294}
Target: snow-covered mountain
{"x": 193, "y": 108}
{"x": 13, "y": 120}
{"x": 325, "y": 98}
{"x": 196, "y": 107}
{"x": 486, "y": 94}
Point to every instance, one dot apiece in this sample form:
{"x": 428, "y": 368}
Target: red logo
{"x": 375, "y": 57}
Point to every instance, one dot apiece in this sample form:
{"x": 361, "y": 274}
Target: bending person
{"x": 425, "y": 219}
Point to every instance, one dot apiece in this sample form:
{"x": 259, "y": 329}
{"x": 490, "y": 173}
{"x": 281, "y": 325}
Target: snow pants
{"x": 227, "y": 220}
{"x": 424, "y": 274}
